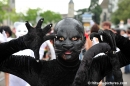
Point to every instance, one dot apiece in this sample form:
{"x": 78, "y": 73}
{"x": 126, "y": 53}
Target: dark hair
{"x": 118, "y": 31}
{"x": 106, "y": 23}
{"x": 128, "y": 28}
{"x": 128, "y": 31}
{"x": 94, "y": 28}
{"x": 6, "y": 29}
{"x": 124, "y": 31}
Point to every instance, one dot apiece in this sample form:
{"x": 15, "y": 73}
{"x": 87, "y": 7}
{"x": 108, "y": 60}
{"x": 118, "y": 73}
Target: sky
{"x": 59, "y": 6}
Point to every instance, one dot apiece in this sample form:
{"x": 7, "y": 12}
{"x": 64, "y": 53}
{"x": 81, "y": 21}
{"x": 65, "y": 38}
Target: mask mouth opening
{"x": 68, "y": 52}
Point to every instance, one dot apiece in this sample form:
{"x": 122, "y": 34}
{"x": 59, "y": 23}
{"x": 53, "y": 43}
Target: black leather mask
{"x": 70, "y": 39}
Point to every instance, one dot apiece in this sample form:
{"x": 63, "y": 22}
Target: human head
{"x": 123, "y": 33}
{"x": 106, "y": 25}
{"x": 94, "y": 28}
{"x": 7, "y": 30}
{"x": 118, "y": 31}
{"x": 128, "y": 33}
{"x": 70, "y": 39}
{"x": 20, "y": 29}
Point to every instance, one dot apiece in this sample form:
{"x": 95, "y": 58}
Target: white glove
{"x": 3, "y": 37}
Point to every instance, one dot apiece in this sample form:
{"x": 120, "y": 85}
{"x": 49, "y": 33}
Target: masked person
{"x": 61, "y": 71}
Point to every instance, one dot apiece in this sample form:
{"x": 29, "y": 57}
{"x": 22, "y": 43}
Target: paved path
{"x": 2, "y": 82}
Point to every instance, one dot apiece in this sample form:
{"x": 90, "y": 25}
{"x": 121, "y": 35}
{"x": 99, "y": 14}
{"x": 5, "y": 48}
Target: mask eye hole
{"x": 74, "y": 38}
{"x": 61, "y": 38}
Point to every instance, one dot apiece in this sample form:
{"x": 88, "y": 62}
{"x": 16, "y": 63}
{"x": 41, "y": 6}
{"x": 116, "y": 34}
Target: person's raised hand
{"x": 36, "y": 36}
{"x": 82, "y": 76}
{"x": 105, "y": 36}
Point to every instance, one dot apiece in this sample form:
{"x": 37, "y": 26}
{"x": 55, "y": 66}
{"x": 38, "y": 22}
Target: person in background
{"x": 90, "y": 43}
{"x": 8, "y": 33}
{"x": 7, "y": 30}
{"x": 118, "y": 31}
{"x": 87, "y": 32}
{"x": 125, "y": 34}
{"x": 3, "y": 37}
{"x": 48, "y": 48}
{"x": 106, "y": 25}
{"x": 128, "y": 33}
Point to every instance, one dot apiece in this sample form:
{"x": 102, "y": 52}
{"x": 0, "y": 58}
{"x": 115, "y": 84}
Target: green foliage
{"x": 31, "y": 15}
{"x": 80, "y": 12}
{"x": 16, "y": 16}
{"x": 2, "y": 11}
{"x": 94, "y": 1}
{"x": 94, "y": 8}
{"x": 50, "y": 17}
{"x": 7, "y": 13}
{"x": 97, "y": 12}
{"x": 122, "y": 13}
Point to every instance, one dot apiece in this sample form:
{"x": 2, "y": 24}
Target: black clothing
{"x": 52, "y": 73}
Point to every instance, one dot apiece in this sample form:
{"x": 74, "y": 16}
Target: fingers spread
{"x": 28, "y": 25}
{"x": 47, "y": 29}
{"x": 39, "y": 24}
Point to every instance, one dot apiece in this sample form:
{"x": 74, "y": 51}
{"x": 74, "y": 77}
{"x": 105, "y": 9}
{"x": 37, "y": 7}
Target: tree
{"x": 16, "y": 16}
{"x": 31, "y": 15}
{"x": 80, "y": 12}
{"x": 97, "y": 10}
{"x": 122, "y": 13}
{"x": 6, "y": 13}
{"x": 93, "y": 8}
{"x": 93, "y": 4}
{"x": 2, "y": 11}
{"x": 50, "y": 17}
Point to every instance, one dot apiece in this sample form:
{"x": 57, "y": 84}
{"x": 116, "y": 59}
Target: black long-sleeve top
{"x": 54, "y": 73}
